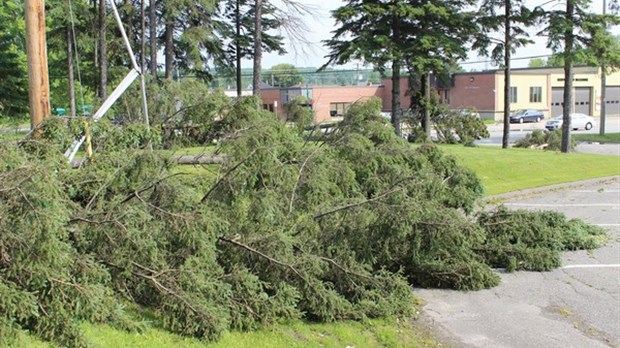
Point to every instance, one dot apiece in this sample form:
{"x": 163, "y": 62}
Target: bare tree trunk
{"x": 169, "y": 49}
{"x": 258, "y": 54}
{"x": 427, "y": 113}
{"x": 103, "y": 52}
{"x": 238, "y": 46}
{"x": 129, "y": 21}
{"x": 507, "y": 55}
{"x": 153, "y": 36}
{"x": 71, "y": 78}
{"x": 396, "y": 81}
{"x": 567, "y": 108}
{"x": 603, "y": 88}
{"x": 396, "y": 96}
{"x": 142, "y": 36}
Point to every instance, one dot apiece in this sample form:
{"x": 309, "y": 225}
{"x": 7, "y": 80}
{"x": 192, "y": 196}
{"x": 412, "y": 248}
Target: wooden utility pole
{"x": 36, "y": 48}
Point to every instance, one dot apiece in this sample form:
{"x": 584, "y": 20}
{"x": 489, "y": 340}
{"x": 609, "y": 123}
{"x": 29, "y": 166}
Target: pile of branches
{"x": 545, "y": 140}
{"x": 285, "y": 229}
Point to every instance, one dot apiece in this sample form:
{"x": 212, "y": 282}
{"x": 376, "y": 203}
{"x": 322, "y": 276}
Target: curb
{"x": 498, "y": 199}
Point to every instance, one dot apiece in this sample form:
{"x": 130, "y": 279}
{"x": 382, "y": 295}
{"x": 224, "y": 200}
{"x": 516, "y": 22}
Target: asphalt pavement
{"x": 520, "y": 130}
{"x": 577, "y": 305}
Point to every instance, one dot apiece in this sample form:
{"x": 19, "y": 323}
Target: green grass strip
{"x": 507, "y": 170}
{"x": 597, "y": 138}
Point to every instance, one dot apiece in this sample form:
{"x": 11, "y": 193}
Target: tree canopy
{"x": 420, "y": 35}
{"x": 284, "y": 75}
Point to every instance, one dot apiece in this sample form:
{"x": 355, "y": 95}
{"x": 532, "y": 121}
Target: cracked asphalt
{"x": 577, "y": 305}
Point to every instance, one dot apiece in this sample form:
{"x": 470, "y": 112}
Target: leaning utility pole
{"x": 36, "y": 48}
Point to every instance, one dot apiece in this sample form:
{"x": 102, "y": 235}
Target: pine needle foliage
{"x": 526, "y": 240}
{"x": 327, "y": 230}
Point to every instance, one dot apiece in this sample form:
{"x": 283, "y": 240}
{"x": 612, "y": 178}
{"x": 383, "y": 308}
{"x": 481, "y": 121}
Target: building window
{"x": 513, "y": 94}
{"x": 338, "y": 109}
{"x": 535, "y": 94}
{"x": 268, "y": 107}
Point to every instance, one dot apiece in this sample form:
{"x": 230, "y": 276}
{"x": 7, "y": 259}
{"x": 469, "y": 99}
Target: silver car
{"x": 577, "y": 121}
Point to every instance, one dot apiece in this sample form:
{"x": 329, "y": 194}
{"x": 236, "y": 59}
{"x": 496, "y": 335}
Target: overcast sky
{"x": 322, "y": 26}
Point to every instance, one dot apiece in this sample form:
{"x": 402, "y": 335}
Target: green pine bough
{"x": 333, "y": 229}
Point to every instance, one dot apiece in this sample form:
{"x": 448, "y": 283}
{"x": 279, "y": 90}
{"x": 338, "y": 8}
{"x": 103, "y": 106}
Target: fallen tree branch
{"x": 266, "y": 257}
{"x": 219, "y": 181}
{"x": 353, "y": 205}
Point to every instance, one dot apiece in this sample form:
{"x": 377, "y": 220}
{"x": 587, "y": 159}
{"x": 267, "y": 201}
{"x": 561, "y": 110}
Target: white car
{"x": 577, "y": 121}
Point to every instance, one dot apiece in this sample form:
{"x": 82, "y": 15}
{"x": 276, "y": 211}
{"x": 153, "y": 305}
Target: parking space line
{"x": 563, "y": 204}
{"x": 592, "y": 266}
{"x": 596, "y": 191}
{"x": 607, "y": 225}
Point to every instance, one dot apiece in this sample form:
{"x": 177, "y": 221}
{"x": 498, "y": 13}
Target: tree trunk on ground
{"x": 258, "y": 28}
{"x": 153, "y": 37}
{"x": 507, "y": 54}
{"x": 169, "y": 49}
{"x": 567, "y": 108}
{"x": 71, "y": 78}
{"x": 238, "y": 46}
{"x": 103, "y": 52}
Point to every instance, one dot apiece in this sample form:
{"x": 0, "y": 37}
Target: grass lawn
{"x": 506, "y": 170}
{"x": 298, "y": 334}
{"x": 607, "y": 138}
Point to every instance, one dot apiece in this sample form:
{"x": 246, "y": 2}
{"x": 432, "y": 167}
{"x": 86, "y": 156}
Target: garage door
{"x": 582, "y": 97}
{"x": 612, "y": 100}
{"x": 556, "y": 101}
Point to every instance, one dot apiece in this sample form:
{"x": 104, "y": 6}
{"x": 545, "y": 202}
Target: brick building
{"x": 531, "y": 88}
{"x": 534, "y": 88}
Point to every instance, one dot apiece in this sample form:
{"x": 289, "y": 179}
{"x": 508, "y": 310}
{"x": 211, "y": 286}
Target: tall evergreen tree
{"x": 514, "y": 21}
{"x": 420, "y": 35}
{"x": 569, "y": 30}
{"x": 239, "y": 16}
{"x": 13, "y": 67}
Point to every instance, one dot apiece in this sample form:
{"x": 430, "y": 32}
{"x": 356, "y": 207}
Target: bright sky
{"x": 322, "y": 26}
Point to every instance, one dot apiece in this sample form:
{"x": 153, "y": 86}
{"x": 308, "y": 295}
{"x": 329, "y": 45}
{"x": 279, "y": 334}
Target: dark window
{"x": 338, "y": 109}
{"x": 513, "y": 94}
{"x": 535, "y": 94}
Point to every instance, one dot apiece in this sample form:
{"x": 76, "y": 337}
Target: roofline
{"x": 497, "y": 71}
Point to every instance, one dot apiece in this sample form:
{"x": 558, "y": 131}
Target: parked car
{"x": 469, "y": 112}
{"x": 526, "y": 115}
{"x": 577, "y": 121}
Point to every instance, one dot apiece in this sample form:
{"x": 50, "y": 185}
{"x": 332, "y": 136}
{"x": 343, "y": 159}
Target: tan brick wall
{"x": 322, "y": 97}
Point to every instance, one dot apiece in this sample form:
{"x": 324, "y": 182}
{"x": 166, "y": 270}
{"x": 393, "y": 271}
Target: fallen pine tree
{"x": 329, "y": 230}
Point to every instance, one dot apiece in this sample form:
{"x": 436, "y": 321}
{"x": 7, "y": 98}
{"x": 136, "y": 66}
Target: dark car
{"x": 526, "y": 115}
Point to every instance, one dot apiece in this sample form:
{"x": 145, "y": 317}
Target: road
{"x": 519, "y": 130}
{"x": 577, "y": 305}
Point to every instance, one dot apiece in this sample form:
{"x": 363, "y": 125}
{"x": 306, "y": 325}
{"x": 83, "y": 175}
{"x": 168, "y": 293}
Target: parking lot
{"x": 577, "y": 305}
